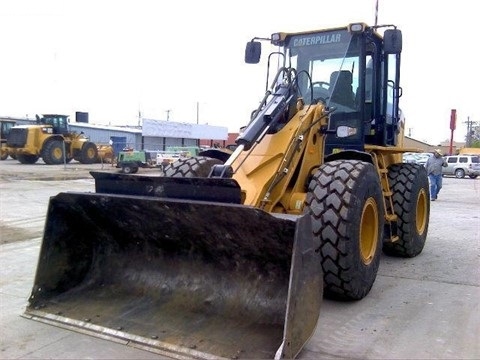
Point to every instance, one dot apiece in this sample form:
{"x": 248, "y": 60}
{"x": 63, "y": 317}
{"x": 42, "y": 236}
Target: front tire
{"x": 345, "y": 199}
{"x": 52, "y": 152}
{"x": 89, "y": 153}
{"x": 129, "y": 169}
{"x": 409, "y": 185}
{"x": 197, "y": 166}
{"x": 459, "y": 173}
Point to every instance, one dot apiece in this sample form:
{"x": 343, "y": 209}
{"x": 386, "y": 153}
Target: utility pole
{"x": 198, "y": 112}
{"x": 168, "y": 114}
{"x": 470, "y": 131}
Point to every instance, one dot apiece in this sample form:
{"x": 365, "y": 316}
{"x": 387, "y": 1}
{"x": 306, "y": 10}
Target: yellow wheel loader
{"x": 5, "y": 126}
{"x": 51, "y": 140}
{"x": 230, "y": 257}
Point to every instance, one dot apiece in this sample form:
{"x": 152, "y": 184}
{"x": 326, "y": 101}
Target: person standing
{"x": 434, "y": 171}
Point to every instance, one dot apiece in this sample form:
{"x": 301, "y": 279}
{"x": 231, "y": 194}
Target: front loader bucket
{"x": 185, "y": 279}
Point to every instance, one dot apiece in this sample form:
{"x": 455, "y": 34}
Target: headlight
{"x": 356, "y": 27}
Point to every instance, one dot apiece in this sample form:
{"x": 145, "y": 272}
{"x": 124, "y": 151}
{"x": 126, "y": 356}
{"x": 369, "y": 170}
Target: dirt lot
{"x": 427, "y": 307}
{"x": 13, "y": 175}
{"x": 12, "y": 170}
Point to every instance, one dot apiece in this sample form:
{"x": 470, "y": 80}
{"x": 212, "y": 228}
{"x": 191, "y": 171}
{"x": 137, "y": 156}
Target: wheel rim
{"x": 57, "y": 153}
{"x": 421, "y": 211}
{"x": 369, "y": 231}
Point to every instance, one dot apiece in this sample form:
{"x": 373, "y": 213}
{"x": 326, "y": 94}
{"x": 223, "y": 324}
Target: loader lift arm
{"x": 272, "y": 110}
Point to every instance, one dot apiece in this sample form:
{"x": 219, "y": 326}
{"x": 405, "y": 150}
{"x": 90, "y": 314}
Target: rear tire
{"x": 89, "y": 153}
{"x": 345, "y": 199}
{"x": 198, "y": 166}
{"x": 52, "y": 152}
{"x": 409, "y": 185}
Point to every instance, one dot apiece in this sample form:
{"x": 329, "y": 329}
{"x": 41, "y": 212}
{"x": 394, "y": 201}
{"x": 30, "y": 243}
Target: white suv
{"x": 461, "y": 165}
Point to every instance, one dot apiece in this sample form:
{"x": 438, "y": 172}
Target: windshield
{"x": 327, "y": 66}
{"x": 5, "y": 129}
{"x": 60, "y": 121}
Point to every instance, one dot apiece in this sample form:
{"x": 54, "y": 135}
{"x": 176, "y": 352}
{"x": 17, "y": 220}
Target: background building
{"x": 153, "y": 135}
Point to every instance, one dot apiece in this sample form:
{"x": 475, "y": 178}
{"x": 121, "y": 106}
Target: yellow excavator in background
{"x": 50, "y": 139}
{"x": 231, "y": 257}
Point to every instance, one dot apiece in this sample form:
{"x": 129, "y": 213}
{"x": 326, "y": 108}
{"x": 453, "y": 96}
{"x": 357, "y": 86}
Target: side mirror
{"x": 253, "y": 51}
{"x": 392, "y": 41}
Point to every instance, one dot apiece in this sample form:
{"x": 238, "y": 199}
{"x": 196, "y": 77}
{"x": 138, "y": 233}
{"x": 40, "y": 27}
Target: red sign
{"x": 453, "y": 119}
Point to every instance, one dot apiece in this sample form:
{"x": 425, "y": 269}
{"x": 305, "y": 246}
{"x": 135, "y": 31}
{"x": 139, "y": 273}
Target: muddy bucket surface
{"x": 180, "y": 278}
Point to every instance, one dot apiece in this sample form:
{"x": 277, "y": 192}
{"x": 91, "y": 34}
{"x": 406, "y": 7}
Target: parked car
{"x": 409, "y": 157}
{"x": 423, "y": 157}
{"x": 417, "y": 158}
{"x": 461, "y": 165}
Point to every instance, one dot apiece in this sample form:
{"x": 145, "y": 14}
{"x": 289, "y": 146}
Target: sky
{"x": 183, "y": 60}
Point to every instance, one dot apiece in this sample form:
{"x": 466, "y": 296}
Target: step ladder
{"x": 390, "y": 216}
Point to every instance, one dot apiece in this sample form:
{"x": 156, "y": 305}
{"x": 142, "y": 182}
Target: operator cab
{"x": 353, "y": 71}
{"x": 59, "y": 123}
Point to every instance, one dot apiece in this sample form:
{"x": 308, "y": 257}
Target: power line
{"x": 470, "y": 131}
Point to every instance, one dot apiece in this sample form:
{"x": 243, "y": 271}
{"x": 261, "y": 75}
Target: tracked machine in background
{"x": 51, "y": 140}
{"x": 230, "y": 257}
